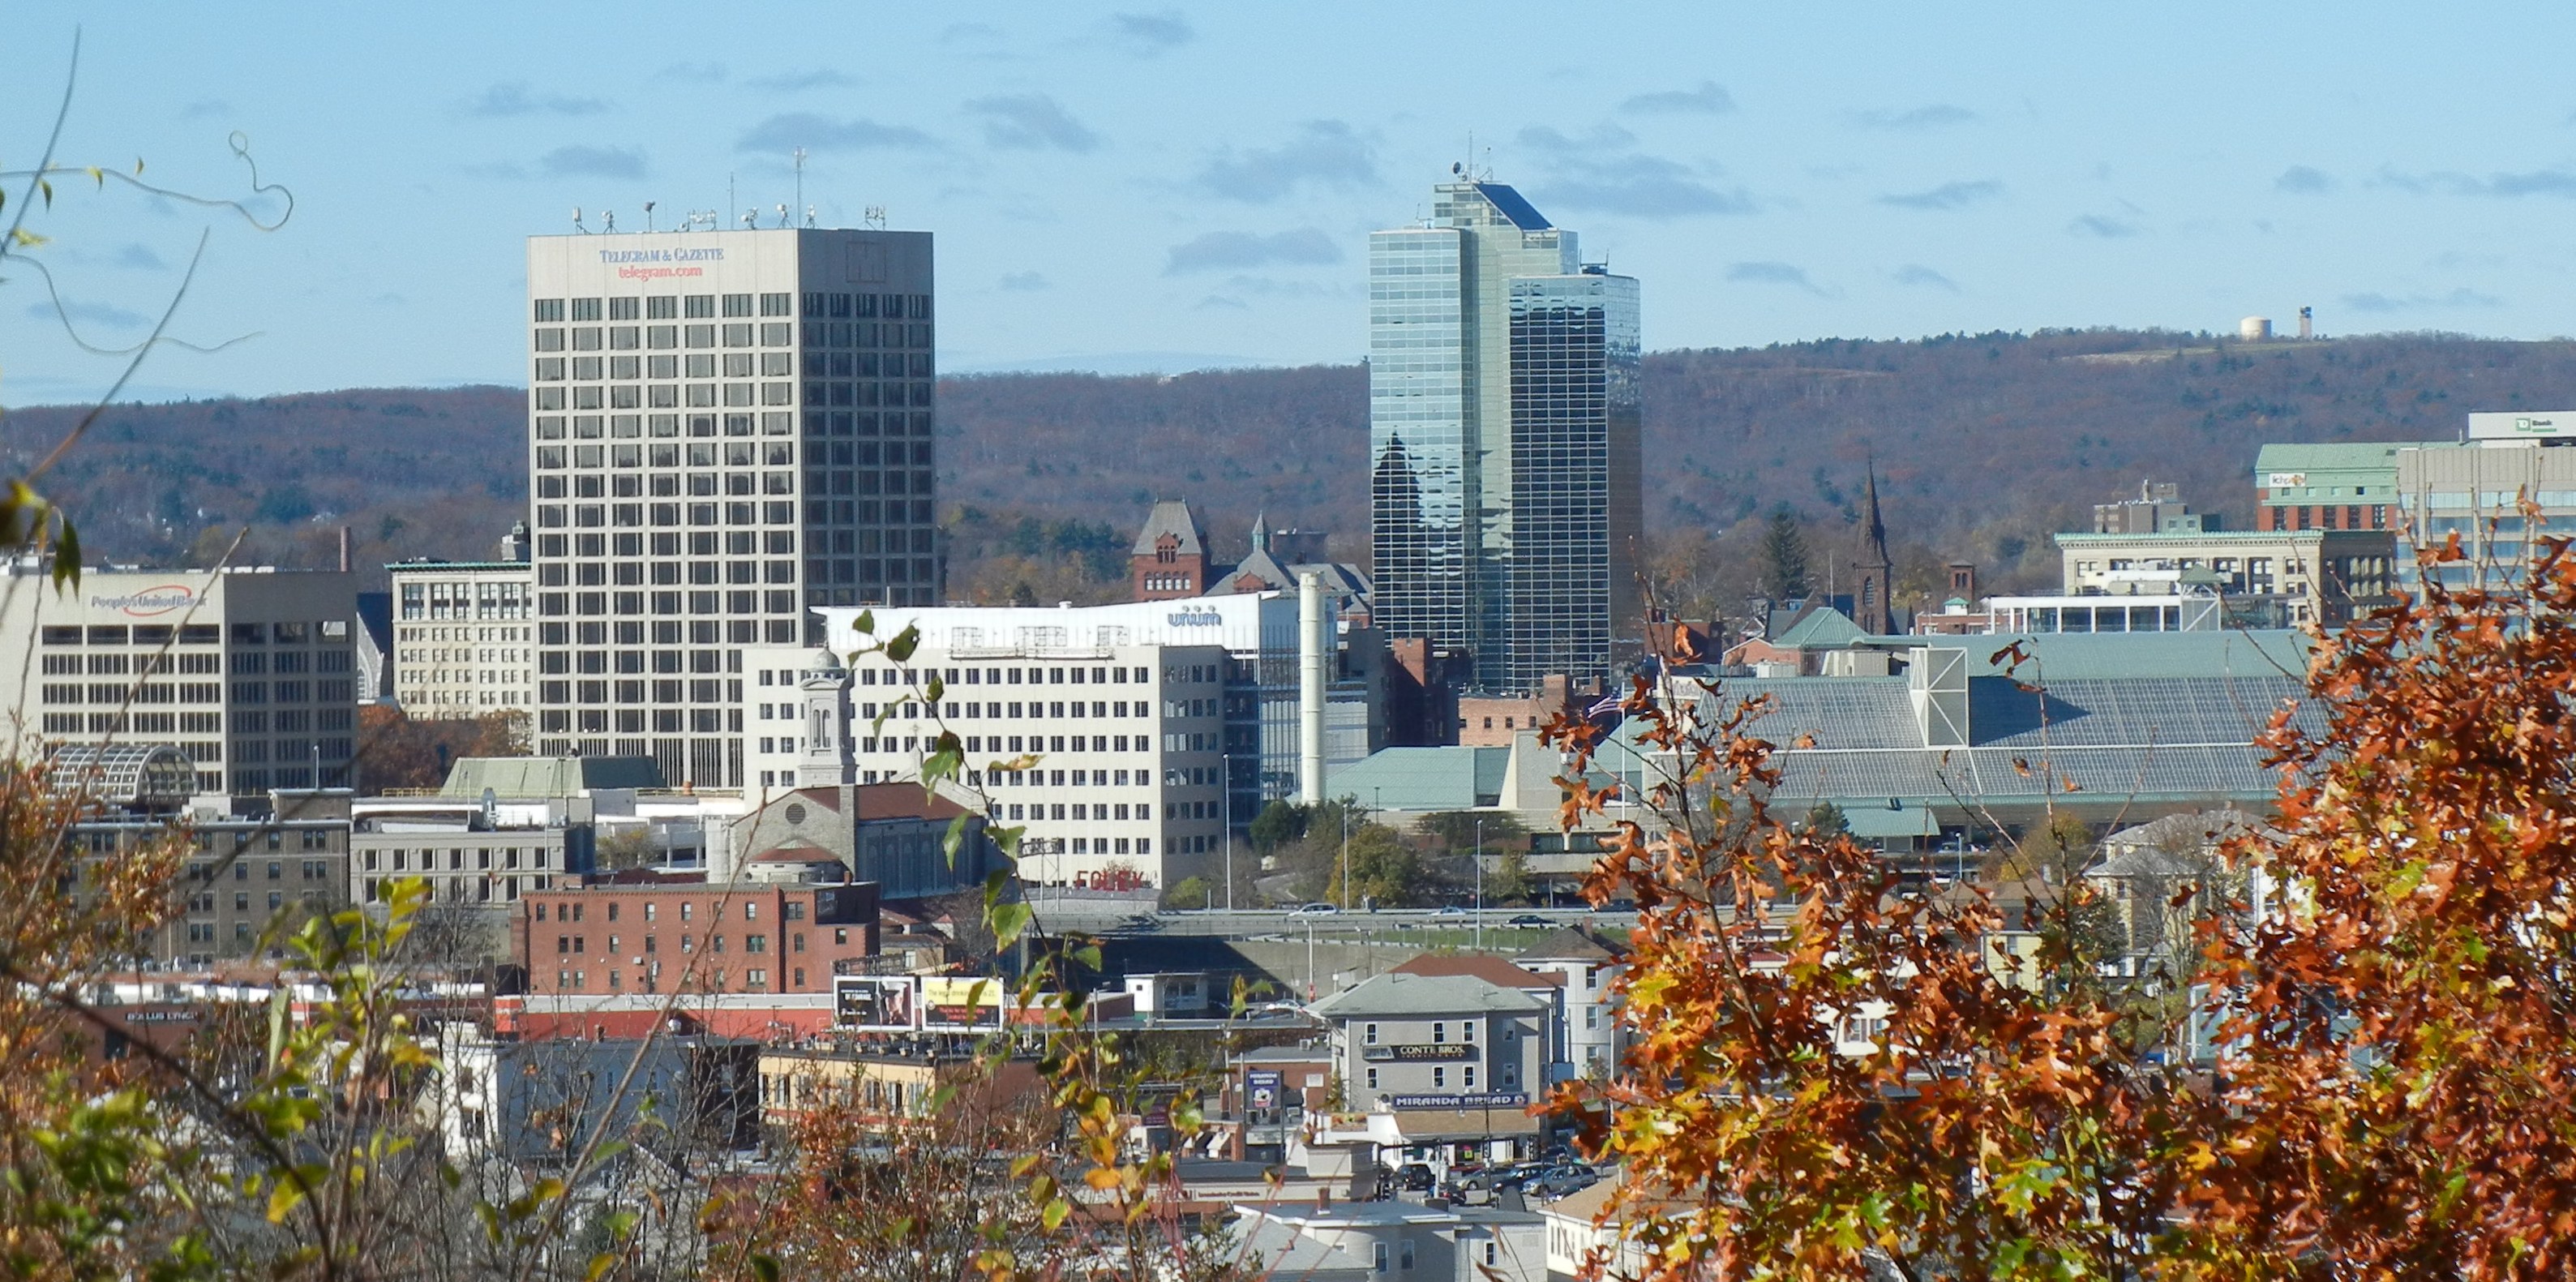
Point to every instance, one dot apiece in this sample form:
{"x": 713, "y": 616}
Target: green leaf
{"x": 904, "y": 643}
{"x": 67, "y": 556}
{"x": 865, "y": 624}
{"x": 283, "y": 1199}
{"x": 1009, "y": 922}
{"x": 764, "y": 1268}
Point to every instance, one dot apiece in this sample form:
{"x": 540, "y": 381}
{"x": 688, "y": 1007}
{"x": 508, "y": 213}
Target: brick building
{"x": 724, "y": 937}
{"x": 1170, "y": 558}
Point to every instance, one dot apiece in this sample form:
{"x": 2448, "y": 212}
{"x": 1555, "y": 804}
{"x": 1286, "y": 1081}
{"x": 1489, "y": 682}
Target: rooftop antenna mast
{"x": 800, "y": 177}
{"x": 648, "y": 215}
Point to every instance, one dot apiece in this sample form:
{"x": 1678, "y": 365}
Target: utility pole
{"x": 1480, "y": 885}
{"x": 1310, "y": 959}
{"x": 1229, "y": 837}
{"x": 1346, "y": 854}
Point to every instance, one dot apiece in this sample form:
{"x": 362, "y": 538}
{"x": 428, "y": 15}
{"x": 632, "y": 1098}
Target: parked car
{"x": 1450, "y": 910}
{"x": 1415, "y": 1177}
{"x": 1315, "y": 910}
{"x": 1556, "y": 1184}
{"x": 1530, "y": 919}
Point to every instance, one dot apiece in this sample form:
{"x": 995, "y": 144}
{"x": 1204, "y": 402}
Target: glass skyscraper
{"x": 1503, "y": 426}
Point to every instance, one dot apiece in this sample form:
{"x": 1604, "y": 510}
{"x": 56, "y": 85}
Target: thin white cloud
{"x": 1031, "y": 122}
{"x": 1709, "y": 99}
{"x": 785, "y": 133}
{"x": 1324, "y": 153}
{"x": 1949, "y": 195}
{"x": 517, "y": 98}
{"x": 1938, "y": 115}
{"x": 1235, "y": 250}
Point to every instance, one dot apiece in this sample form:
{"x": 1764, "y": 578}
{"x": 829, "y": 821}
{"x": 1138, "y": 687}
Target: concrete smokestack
{"x": 1311, "y": 639}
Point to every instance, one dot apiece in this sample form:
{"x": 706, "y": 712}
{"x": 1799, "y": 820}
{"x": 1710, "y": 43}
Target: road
{"x": 1385, "y": 923}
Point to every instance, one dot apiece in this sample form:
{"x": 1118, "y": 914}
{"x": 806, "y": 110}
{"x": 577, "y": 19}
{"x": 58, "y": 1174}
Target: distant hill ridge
{"x": 1983, "y": 444}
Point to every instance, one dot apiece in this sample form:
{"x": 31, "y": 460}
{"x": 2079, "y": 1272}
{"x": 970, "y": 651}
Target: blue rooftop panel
{"x": 1520, "y": 211}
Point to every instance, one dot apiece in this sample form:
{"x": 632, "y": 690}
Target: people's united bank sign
{"x": 148, "y": 603}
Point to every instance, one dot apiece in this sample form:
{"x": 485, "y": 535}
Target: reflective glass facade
{"x": 1503, "y": 439}
{"x": 1569, "y": 580}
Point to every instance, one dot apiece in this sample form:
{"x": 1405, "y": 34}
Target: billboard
{"x": 875, "y": 1003}
{"x": 962, "y": 1001}
{"x": 2522, "y": 425}
{"x": 1262, "y": 1090}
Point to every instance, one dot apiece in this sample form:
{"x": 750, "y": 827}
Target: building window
{"x": 1368, "y": 1034}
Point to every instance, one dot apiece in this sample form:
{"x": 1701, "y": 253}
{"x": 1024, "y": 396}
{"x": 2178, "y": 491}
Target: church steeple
{"x": 1876, "y": 570}
{"x": 1261, "y": 530}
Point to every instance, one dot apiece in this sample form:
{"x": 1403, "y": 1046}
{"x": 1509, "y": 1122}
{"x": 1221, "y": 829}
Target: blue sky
{"x": 1124, "y": 188}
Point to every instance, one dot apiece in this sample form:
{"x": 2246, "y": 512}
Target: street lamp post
{"x": 1229, "y": 838}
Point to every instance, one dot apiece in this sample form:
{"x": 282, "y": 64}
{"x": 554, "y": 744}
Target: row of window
{"x": 627, "y": 427}
{"x": 575, "y": 910}
{"x": 818, "y": 304}
{"x": 754, "y": 980}
{"x": 199, "y": 905}
{"x": 732, "y": 365}
{"x": 592, "y": 516}
{"x": 660, "y": 307}
{"x": 578, "y": 945}
{"x": 597, "y": 604}
{"x": 455, "y": 599}
{"x": 468, "y": 889}
{"x": 628, "y": 338}
{"x": 973, "y": 710}
{"x": 403, "y": 859}
{"x": 152, "y": 723}
{"x": 289, "y": 633}
{"x": 117, "y": 663}
{"x": 460, "y": 654}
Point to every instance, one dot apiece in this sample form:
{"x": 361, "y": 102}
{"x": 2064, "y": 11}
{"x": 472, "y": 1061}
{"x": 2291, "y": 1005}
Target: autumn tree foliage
{"x": 1839, "y": 1075}
{"x": 1834, "y": 1076}
{"x": 2400, "y": 1076}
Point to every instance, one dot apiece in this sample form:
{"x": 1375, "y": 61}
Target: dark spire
{"x": 1875, "y": 532}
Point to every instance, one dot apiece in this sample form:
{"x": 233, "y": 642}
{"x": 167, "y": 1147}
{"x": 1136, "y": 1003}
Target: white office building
{"x": 1126, "y": 722}
{"x": 464, "y": 636}
{"x": 727, "y": 429}
{"x": 247, "y": 671}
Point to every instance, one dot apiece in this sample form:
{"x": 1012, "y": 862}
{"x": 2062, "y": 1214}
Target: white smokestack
{"x": 1311, "y": 640}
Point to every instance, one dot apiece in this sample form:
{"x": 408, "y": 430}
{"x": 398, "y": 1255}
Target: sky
{"x": 1168, "y": 188}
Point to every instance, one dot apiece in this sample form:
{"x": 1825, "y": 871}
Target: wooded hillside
{"x": 1984, "y": 446}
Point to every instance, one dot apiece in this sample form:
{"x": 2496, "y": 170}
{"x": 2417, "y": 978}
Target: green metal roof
{"x": 1421, "y": 779}
{"x": 1823, "y": 626}
{"x": 548, "y": 776}
{"x": 1878, "y": 823}
{"x": 2089, "y": 656}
